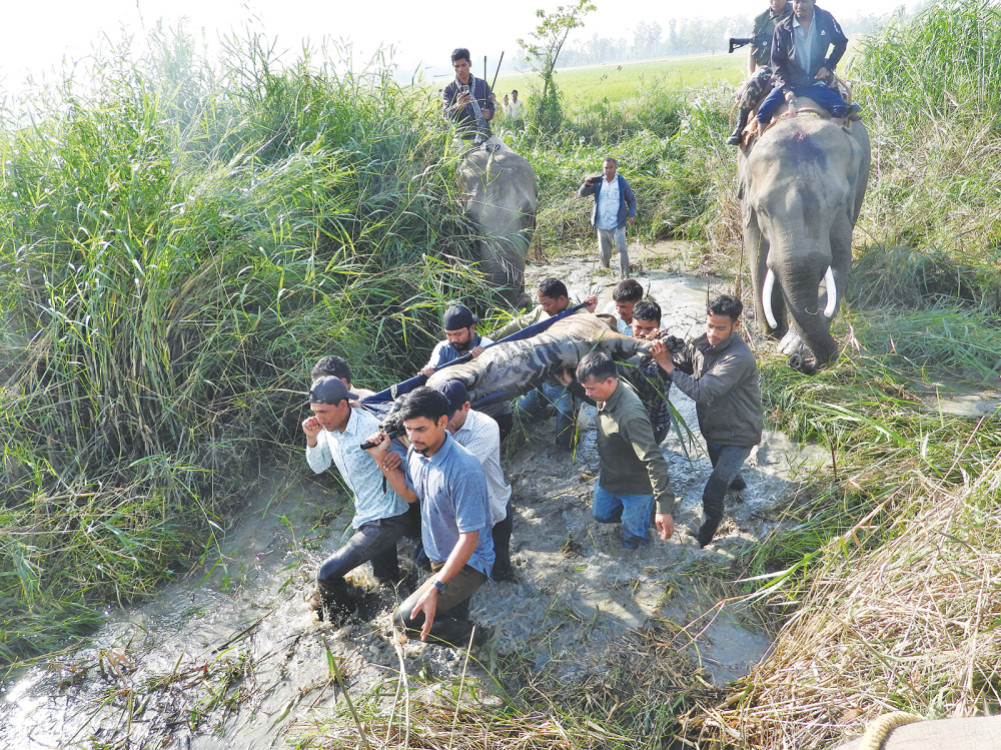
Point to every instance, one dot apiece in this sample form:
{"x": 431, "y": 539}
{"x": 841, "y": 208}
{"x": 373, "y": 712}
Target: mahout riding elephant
{"x": 801, "y": 186}
{"x": 975, "y": 733}
{"x": 500, "y": 193}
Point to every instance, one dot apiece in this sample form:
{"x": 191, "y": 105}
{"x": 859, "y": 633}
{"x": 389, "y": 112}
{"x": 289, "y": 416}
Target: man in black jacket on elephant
{"x": 718, "y": 372}
{"x": 801, "y": 64}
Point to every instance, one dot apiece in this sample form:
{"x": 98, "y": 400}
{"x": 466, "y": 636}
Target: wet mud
{"x": 231, "y": 655}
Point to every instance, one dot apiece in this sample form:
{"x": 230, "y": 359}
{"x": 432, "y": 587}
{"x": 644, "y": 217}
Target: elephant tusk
{"x": 766, "y": 299}
{"x": 832, "y": 294}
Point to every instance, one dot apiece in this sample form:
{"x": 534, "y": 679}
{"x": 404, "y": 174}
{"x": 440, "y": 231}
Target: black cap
{"x": 329, "y": 390}
{"x": 455, "y": 393}
{"x": 459, "y": 316}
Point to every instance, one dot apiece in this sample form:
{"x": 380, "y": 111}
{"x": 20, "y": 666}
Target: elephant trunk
{"x": 810, "y": 321}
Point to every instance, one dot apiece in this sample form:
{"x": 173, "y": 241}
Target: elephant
{"x": 801, "y": 186}
{"x": 500, "y": 194}
{"x": 975, "y": 733}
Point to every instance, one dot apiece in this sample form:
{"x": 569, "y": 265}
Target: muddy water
{"x": 231, "y": 656}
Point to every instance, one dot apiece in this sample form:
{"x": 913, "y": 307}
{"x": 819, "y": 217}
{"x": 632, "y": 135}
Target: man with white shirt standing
{"x": 614, "y": 206}
{"x": 334, "y": 434}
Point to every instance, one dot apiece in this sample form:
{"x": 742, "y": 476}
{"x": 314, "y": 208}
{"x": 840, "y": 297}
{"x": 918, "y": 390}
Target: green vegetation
{"x": 179, "y": 245}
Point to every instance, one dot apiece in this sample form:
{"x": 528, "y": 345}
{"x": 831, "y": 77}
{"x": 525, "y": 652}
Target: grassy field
{"x": 618, "y": 81}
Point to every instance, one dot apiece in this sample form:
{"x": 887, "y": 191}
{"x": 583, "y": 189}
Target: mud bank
{"x": 231, "y": 656}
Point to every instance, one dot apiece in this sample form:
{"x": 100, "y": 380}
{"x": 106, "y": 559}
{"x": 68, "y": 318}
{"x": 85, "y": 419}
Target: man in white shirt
{"x": 614, "y": 207}
{"x": 479, "y": 434}
{"x": 334, "y": 434}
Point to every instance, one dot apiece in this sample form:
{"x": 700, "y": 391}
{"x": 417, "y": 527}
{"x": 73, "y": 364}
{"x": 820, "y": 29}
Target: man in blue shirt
{"x": 334, "y": 434}
{"x": 614, "y": 205}
{"x": 455, "y": 518}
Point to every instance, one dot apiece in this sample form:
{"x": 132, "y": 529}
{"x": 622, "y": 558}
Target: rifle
{"x": 736, "y": 42}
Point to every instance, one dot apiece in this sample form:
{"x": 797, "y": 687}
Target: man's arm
{"x": 630, "y": 197}
{"x": 721, "y": 378}
{"x": 839, "y": 41}
{"x": 434, "y": 360}
{"x": 457, "y": 558}
{"x": 317, "y": 451}
{"x": 780, "y": 58}
{"x": 639, "y": 433}
{"x": 394, "y": 470}
{"x": 586, "y": 190}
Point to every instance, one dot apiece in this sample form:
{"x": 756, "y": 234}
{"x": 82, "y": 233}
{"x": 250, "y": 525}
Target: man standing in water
{"x": 455, "y": 518}
{"x": 333, "y": 435}
{"x": 718, "y": 372}
{"x": 467, "y": 99}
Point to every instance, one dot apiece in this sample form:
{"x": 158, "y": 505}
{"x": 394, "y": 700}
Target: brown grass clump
{"x": 908, "y": 626}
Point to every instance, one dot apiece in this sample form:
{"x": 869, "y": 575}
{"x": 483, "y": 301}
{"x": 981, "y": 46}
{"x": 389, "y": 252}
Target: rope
{"x": 880, "y": 728}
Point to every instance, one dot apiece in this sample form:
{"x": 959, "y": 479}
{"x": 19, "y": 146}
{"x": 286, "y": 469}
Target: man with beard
{"x": 461, "y": 338}
{"x": 451, "y": 487}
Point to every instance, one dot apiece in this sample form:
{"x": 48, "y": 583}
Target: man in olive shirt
{"x": 633, "y": 470}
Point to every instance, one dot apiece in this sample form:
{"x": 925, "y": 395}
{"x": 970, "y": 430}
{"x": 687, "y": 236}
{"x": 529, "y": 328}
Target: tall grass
{"x": 178, "y": 245}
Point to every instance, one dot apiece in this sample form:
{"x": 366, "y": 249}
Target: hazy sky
{"x": 40, "y": 35}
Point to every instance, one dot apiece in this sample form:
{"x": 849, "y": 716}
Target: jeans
{"x": 605, "y": 239}
{"x": 374, "y": 541}
{"x": 726, "y": 460}
{"x": 826, "y": 97}
{"x": 533, "y": 403}
{"x": 632, "y": 511}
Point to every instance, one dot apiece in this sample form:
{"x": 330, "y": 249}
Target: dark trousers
{"x": 374, "y": 541}
{"x": 726, "y": 460}
{"x": 826, "y": 97}
{"x": 502, "y": 544}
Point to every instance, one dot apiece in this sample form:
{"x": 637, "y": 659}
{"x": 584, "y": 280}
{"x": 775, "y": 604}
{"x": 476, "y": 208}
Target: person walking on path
{"x": 614, "y": 207}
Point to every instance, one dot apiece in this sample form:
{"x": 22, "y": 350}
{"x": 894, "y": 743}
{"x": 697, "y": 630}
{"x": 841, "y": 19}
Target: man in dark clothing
{"x": 633, "y": 472}
{"x": 759, "y": 64}
{"x": 614, "y": 206}
{"x": 718, "y": 372}
{"x": 800, "y": 63}
{"x": 467, "y": 99}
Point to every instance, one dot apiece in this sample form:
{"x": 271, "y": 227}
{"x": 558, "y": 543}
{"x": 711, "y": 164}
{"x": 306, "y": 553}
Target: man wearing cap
{"x": 334, "y": 434}
{"x": 450, "y": 484}
{"x": 461, "y": 338}
{"x": 479, "y": 434}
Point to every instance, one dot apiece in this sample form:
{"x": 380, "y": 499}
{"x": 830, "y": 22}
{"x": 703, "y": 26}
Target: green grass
{"x": 629, "y": 81}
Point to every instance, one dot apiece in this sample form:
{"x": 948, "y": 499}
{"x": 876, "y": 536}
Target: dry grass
{"x": 908, "y": 626}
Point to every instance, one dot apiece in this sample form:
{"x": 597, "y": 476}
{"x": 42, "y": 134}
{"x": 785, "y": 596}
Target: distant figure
{"x": 451, "y": 487}
{"x": 718, "y": 372}
{"x": 517, "y": 110}
{"x": 334, "y": 433}
{"x": 801, "y": 65}
{"x": 467, "y": 99}
{"x": 614, "y": 206}
{"x": 627, "y": 293}
{"x": 633, "y": 471}
{"x": 506, "y": 108}
{"x": 759, "y": 64}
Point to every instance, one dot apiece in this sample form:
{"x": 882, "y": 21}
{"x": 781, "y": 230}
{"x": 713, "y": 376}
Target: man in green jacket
{"x": 718, "y": 372}
{"x": 633, "y": 470}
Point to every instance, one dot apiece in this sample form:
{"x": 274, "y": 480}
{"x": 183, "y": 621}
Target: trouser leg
{"x": 605, "y": 241}
{"x": 374, "y": 541}
{"x": 769, "y": 105}
{"x": 620, "y": 243}
{"x": 451, "y": 621}
{"x": 561, "y": 398}
{"x": 502, "y": 545}
{"x": 726, "y": 460}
